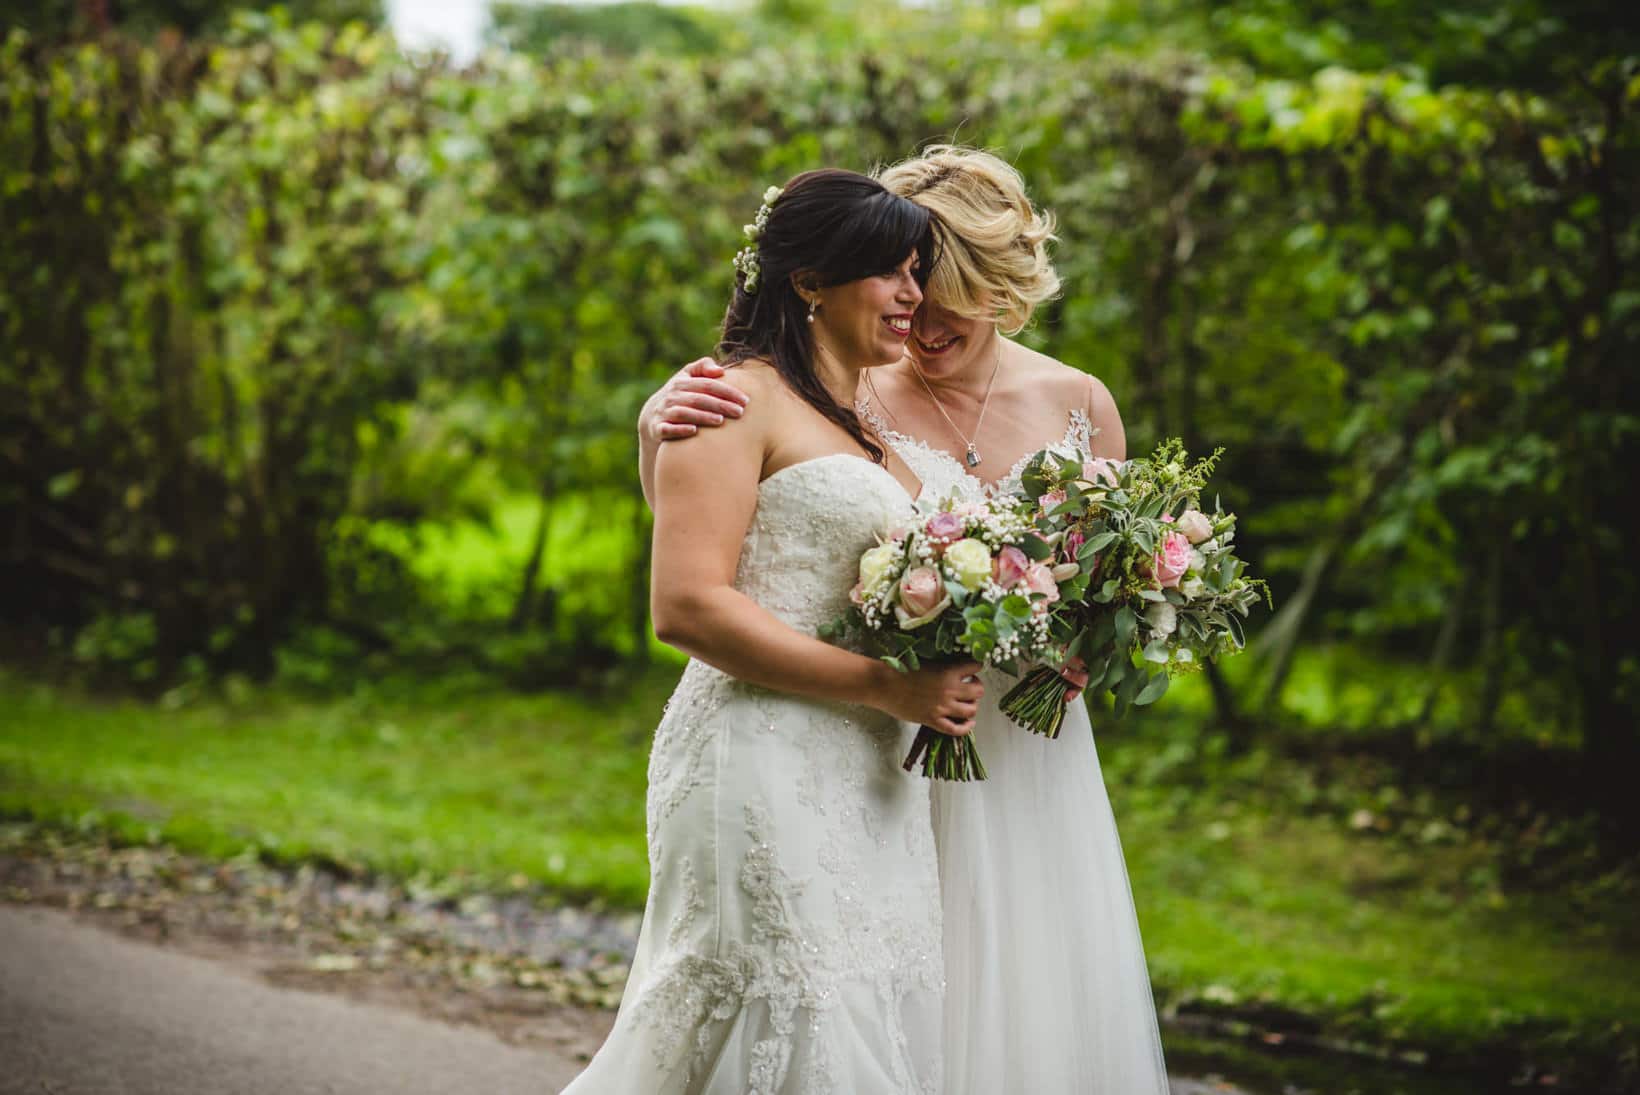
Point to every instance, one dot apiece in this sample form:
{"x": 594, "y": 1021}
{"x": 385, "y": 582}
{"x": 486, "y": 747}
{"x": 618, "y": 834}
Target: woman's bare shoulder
{"x": 755, "y": 376}
{"x": 1074, "y": 387}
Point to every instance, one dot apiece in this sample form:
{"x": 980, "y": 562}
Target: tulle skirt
{"x": 1046, "y": 986}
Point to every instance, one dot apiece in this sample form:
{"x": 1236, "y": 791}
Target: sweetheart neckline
{"x": 772, "y": 476}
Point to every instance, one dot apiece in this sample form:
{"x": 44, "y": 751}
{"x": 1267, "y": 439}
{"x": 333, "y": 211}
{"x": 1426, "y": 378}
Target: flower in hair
{"x": 746, "y": 259}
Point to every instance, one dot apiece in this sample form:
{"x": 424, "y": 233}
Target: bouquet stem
{"x": 944, "y": 756}
{"x": 1038, "y": 701}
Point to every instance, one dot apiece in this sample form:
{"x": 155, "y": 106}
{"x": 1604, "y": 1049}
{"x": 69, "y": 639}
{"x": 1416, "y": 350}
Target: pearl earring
{"x": 813, "y": 304}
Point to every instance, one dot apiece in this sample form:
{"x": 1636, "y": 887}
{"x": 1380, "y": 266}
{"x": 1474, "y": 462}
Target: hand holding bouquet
{"x": 966, "y": 580}
{"x": 1161, "y": 591}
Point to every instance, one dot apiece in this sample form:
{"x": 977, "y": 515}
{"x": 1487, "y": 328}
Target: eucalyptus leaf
{"x": 1036, "y": 549}
{"x": 1153, "y": 689}
{"x": 1126, "y": 624}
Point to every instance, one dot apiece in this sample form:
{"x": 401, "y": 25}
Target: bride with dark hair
{"x": 791, "y": 941}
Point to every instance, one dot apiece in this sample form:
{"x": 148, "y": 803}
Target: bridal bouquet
{"x": 1162, "y": 591}
{"x": 972, "y": 579}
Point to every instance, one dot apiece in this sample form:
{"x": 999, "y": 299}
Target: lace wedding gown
{"x": 791, "y": 941}
{"x": 1046, "y": 987}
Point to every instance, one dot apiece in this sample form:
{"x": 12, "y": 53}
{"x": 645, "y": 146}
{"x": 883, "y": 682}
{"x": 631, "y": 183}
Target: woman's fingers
{"x": 720, "y": 389}
{"x": 674, "y": 431}
{"x": 1075, "y": 671}
{"x": 703, "y": 366}
{"x": 691, "y": 416}
{"x": 703, "y": 402}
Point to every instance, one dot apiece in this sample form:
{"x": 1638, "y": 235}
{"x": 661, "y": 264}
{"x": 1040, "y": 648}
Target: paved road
{"x": 84, "y": 1011}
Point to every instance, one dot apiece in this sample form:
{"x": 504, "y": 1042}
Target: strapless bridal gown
{"x": 1046, "y": 987}
{"x": 791, "y": 941}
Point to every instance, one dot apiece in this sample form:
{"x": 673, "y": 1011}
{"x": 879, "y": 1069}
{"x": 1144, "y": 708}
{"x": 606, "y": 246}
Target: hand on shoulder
{"x": 700, "y": 395}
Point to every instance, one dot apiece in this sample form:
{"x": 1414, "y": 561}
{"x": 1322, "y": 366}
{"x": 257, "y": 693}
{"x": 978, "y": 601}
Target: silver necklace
{"x": 970, "y": 454}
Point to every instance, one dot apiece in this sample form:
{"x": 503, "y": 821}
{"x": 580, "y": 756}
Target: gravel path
{"x": 140, "y": 971}
{"x": 86, "y": 1011}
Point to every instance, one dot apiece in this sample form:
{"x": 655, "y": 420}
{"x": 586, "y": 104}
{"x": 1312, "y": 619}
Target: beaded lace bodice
{"x": 813, "y": 521}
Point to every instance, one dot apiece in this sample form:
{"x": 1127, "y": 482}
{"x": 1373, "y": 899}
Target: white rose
{"x": 1195, "y": 526}
{"x": 969, "y": 562}
{"x": 875, "y": 567}
{"x": 1192, "y": 588}
{"x": 1163, "y": 618}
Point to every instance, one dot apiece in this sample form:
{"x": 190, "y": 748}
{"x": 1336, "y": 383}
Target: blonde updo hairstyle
{"x": 993, "y": 243}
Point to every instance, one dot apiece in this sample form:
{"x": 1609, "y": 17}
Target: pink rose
{"x": 1172, "y": 561}
{"x": 1010, "y": 567}
{"x": 1073, "y": 544}
{"x": 1195, "y": 525}
{"x": 1099, "y": 467}
{"x": 1039, "y": 577}
{"x": 1050, "y": 500}
{"x": 856, "y": 596}
{"x": 922, "y": 597}
{"x": 944, "y": 526}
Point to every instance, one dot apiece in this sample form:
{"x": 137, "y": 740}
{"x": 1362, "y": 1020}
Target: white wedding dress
{"x": 1046, "y": 987}
{"x": 791, "y": 940}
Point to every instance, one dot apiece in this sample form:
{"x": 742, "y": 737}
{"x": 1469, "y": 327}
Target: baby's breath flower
{"x": 747, "y": 260}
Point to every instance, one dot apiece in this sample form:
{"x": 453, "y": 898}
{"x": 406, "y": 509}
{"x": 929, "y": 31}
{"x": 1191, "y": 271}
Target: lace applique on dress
{"x": 944, "y": 476}
{"x": 791, "y": 941}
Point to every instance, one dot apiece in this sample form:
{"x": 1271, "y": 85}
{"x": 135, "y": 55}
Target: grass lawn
{"x": 1242, "y": 901}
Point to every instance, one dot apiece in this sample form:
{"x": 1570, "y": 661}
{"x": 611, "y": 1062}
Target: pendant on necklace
{"x": 972, "y": 457}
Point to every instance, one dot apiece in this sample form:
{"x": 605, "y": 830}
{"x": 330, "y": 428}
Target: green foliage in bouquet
{"x": 966, "y": 580}
{"x": 1159, "y": 591}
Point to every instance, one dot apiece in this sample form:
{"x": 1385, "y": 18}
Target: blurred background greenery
{"x": 320, "y": 364}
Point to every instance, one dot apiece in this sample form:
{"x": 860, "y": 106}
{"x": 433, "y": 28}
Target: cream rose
{"x": 875, "y": 567}
{"x": 1195, "y": 526}
{"x": 970, "y": 563}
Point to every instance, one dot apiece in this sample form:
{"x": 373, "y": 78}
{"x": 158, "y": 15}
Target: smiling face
{"x": 946, "y": 344}
{"x": 866, "y": 322}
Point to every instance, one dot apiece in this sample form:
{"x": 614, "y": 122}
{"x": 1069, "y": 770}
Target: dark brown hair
{"x": 836, "y": 226}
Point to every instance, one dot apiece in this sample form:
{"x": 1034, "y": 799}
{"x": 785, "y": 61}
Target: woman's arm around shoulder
{"x": 695, "y": 397}
{"x": 704, "y": 494}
